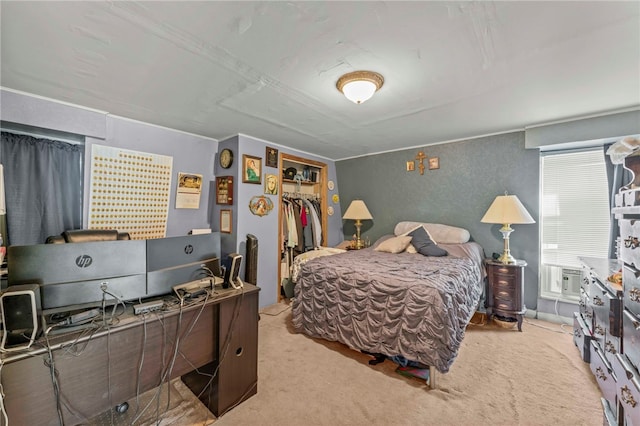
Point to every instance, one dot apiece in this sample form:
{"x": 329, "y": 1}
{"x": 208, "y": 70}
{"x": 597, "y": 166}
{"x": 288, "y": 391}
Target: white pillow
{"x": 441, "y": 234}
{"x": 394, "y": 244}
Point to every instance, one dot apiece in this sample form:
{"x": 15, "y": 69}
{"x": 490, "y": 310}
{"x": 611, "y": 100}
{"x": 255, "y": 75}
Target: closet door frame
{"x": 320, "y": 189}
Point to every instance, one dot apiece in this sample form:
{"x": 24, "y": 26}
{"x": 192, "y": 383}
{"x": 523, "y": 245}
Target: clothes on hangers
{"x": 302, "y": 227}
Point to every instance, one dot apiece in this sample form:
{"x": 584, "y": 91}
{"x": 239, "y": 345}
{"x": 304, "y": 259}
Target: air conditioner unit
{"x": 570, "y": 282}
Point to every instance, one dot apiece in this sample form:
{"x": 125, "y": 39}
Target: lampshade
{"x": 359, "y": 86}
{"x": 3, "y": 208}
{"x": 357, "y": 211}
{"x": 507, "y": 209}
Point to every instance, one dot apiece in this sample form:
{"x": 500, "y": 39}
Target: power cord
{"x": 2, "y": 409}
{"x": 54, "y": 379}
{"x": 562, "y": 325}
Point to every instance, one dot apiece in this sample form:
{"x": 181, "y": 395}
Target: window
{"x": 575, "y": 216}
{"x": 43, "y": 187}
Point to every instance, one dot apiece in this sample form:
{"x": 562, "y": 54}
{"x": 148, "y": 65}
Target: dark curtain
{"x": 617, "y": 176}
{"x": 43, "y": 187}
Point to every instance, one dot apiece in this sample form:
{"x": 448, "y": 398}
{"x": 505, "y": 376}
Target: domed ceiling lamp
{"x": 359, "y": 86}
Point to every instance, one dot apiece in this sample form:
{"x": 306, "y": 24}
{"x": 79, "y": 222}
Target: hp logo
{"x": 84, "y": 261}
{"x": 188, "y": 249}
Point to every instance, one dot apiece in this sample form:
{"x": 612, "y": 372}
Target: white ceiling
{"x": 452, "y": 70}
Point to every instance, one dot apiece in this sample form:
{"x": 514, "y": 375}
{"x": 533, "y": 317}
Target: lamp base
{"x": 506, "y": 258}
{"x": 358, "y": 244}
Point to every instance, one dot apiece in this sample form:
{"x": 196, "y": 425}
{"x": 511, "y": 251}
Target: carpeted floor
{"x": 501, "y": 377}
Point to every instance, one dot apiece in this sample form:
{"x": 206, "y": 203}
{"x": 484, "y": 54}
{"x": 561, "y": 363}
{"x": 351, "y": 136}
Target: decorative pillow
{"x": 410, "y": 247}
{"x": 442, "y": 234}
{"x": 424, "y": 244}
{"x": 381, "y": 240}
{"x": 394, "y": 244}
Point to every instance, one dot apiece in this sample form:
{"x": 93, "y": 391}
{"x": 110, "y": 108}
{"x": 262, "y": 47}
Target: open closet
{"x": 302, "y": 213}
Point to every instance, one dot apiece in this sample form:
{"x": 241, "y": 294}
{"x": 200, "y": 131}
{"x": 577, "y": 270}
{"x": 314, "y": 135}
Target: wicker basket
{"x": 504, "y": 323}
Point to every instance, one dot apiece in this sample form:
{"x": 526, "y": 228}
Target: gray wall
{"x": 471, "y": 174}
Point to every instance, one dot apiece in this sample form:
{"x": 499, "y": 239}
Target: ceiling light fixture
{"x": 358, "y": 86}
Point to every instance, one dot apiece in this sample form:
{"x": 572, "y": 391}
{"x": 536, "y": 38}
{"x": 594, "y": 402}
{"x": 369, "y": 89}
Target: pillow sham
{"x": 410, "y": 248}
{"x": 440, "y": 233}
{"x": 394, "y": 244}
{"x": 423, "y": 243}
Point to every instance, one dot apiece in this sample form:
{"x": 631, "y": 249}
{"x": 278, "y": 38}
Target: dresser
{"x": 505, "y": 290}
{"x": 607, "y": 325}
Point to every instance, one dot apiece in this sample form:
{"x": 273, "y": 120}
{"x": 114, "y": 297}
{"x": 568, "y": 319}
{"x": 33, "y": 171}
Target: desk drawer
{"x": 631, "y": 338}
{"x": 581, "y": 337}
{"x": 630, "y": 247}
{"x": 631, "y": 285}
{"x": 586, "y": 277}
{"x": 627, "y": 390}
{"x": 603, "y": 373}
{"x": 611, "y": 346}
{"x": 586, "y": 309}
{"x": 630, "y": 197}
{"x": 610, "y": 415}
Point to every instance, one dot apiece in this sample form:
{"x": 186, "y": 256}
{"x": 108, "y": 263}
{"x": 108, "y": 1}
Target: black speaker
{"x": 20, "y": 316}
{"x": 251, "y": 267}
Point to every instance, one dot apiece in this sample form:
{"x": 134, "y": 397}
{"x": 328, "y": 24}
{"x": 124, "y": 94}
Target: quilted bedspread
{"x": 402, "y": 304}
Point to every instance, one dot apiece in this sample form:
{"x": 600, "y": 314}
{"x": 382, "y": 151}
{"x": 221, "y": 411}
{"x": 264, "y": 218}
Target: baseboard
{"x": 558, "y": 319}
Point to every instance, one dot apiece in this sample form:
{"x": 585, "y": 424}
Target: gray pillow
{"x": 423, "y": 243}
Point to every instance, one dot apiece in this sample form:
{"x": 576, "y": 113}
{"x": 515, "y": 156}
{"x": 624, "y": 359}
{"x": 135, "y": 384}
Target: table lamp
{"x": 358, "y": 211}
{"x": 506, "y": 210}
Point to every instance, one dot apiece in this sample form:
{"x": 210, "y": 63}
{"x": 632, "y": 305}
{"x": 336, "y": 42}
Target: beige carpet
{"x": 501, "y": 377}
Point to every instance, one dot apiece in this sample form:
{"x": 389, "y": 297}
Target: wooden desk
{"x": 101, "y": 371}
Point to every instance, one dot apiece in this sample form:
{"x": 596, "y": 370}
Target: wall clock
{"x": 226, "y": 158}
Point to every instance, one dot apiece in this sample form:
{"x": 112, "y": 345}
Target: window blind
{"x": 575, "y": 207}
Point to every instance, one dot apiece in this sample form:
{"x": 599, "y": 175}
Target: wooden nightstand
{"x": 505, "y": 290}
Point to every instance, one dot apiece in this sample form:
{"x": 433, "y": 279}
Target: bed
{"x": 397, "y": 302}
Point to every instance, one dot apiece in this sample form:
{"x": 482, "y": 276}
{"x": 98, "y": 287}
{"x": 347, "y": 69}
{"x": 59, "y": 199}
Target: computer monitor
{"x": 232, "y": 273}
{"x": 176, "y": 260}
{"x": 76, "y": 275}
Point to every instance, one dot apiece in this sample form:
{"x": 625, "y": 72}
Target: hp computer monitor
{"x": 176, "y": 260}
{"x": 80, "y": 273}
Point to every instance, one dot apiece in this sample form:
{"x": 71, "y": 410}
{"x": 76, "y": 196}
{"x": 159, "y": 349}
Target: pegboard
{"x": 129, "y": 191}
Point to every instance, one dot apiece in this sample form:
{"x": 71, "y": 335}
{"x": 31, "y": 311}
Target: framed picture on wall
{"x": 270, "y": 184}
{"x": 224, "y": 190}
{"x": 225, "y": 221}
{"x": 272, "y": 157}
{"x": 434, "y": 163}
{"x": 251, "y": 169}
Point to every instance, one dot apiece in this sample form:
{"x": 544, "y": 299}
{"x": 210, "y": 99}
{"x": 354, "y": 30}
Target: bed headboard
{"x": 442, "y": 234}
